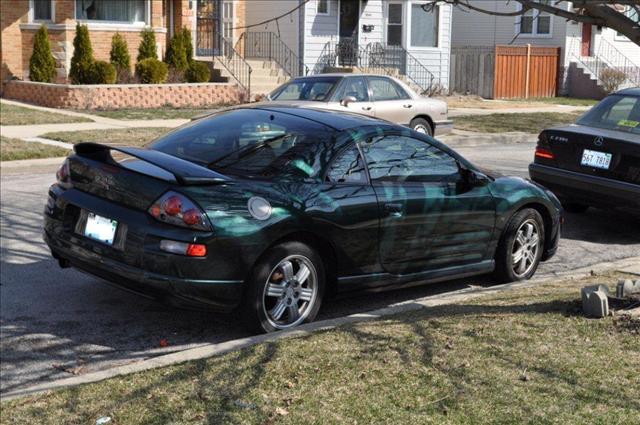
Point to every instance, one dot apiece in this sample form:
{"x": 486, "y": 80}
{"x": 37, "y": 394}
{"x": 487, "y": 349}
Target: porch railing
{"x": 606, "y": 57}
{"x": 268, "y": 45}
{"x": 234, "y": 63}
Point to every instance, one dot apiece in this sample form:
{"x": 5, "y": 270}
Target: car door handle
{"x": 407, "y": 105}
{"x": 394, "y": 210}
{"x": 366, "y": 108}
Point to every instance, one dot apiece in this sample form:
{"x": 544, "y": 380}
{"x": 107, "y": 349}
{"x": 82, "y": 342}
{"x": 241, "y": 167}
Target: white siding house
{"x": 420, "y": 40}
{"x": 584, "y": 48}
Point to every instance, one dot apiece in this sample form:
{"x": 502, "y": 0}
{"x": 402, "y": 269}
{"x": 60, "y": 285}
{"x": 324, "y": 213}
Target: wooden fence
{"x": 504, "y": 72}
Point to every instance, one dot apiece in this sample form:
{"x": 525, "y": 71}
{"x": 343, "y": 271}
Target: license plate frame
{"x": 100, "y": 228}
{"x": 596, "y": 159}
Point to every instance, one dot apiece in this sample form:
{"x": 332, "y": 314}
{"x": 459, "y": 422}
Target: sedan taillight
{"x": 63, "y": 175}
{"x": 175, "y": 208}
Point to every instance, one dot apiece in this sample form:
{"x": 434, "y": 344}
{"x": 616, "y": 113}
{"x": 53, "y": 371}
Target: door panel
{"x": 429, "y": 219}
{"x": 357, "y": 88}
{"x": 391, "y": 101}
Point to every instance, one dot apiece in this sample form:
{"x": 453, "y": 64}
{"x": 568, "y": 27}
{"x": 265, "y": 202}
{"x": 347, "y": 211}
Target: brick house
{"x": 21, "y": 19}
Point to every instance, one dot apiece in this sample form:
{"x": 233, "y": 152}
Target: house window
{"x": 394, "y": 24}
{"x": 322, "y": 7}
{"x": 424, "y": 26}
{"x": 130, "y": 11}
{"x": 42, "y": 10}
{"x": 534, "y": 22}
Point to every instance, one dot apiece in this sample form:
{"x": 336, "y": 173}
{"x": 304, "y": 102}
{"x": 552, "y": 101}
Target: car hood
{"x": 595, "y": 131}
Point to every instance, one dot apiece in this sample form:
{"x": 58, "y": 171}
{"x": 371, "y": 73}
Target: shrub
{"x": 152, "y": 71}
{"x": 119, "y": 56}
{"x": 147, "y": 48}
{"x": 175, "y": 76}
{"x": 82, "y": 60}
{"x": 176, "y": 56}
{"x": 188, "y": 43}
{"x": 42, "y": 65}
{"x": 103, "y": 73}
{"x": 612, "y": 79}
{"x": 198, "y": 72}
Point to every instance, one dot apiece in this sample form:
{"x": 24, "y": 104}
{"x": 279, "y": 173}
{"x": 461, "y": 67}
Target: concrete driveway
{"x": 55, "y": 323}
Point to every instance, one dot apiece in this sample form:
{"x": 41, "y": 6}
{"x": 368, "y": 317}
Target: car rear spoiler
{"x": 185, "y": 172}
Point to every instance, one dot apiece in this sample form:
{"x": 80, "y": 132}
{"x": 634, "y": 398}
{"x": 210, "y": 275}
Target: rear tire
{"x": 421, "y": 126}
{"x": 521, "y": 247}
{"x": 575, "y": 208}
{"x": 285, "y": 288}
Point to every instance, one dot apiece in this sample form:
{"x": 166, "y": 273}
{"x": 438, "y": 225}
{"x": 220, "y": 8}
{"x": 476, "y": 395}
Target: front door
{"x": 348, "y": 40}
{"x": 586, "y": 40}
{"x": 429, "y": 219}
{"x": 207, "y": 27}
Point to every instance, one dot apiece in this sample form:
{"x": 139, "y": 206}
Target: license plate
{"x": 100, "y": 228}
{"x": 596, "y": 159}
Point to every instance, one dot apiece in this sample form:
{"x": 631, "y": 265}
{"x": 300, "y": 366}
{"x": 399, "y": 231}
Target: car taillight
{"x": 177, "y": 209}
{"x": 544, "y": 153}
{"x": 63, "y": 175}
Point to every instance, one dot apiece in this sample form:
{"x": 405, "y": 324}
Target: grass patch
{"x": 155, "y": 113}
{"x": 477, "y": 102}
{"x": 17, "y": 115}
{"x": 121, "y": 137}
{"x": 520, "y": 356}
{"x": 570, "y": 101}
{"x": 526, "y": 122}
{"x": 14, "y": 149}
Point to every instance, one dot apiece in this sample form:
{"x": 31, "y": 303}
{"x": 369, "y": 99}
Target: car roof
{"x": 340, "y": 74}
{"x": 632, "y": 91}
{"x": 337, "y": 120}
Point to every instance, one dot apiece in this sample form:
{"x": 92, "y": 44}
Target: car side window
{"x": 347, "y": 168}
{"x": 384, "y": 89}
{"x": 353, "y": 86}
{"x": 404, "y": 159}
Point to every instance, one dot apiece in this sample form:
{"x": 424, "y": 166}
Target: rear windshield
{"x": 616, "y": 112}
{"x": 316, "y": 89}
{"x": 251, "y": 143}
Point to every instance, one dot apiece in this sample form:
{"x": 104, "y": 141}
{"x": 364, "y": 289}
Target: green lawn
{"x": 17, "y": 115}
{"x": 570, "y": 101}
{"x": 520, "y": 356}
{"x": 525, "y": 122}
{"x": 155, "y": 113}
{"x": 14, "y": 149}
{"x": 124, "y": 137}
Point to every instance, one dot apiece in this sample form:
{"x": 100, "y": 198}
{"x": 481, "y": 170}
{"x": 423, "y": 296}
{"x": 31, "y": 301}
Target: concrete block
{"x": 594, "y": 301}
{"x": 627, "y": 287}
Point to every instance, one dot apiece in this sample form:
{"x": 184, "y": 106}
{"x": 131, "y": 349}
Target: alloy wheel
{"x": 524, "y": 253}
{"x": 421, "y": 128}
{"x": 290, "y": 292}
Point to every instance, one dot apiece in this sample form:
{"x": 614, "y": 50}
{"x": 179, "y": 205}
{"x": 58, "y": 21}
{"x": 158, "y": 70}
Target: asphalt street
{"x": 55, "y": 322}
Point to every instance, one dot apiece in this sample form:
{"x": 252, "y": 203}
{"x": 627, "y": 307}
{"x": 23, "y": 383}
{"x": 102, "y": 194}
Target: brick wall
{"x": 114, "y": 96}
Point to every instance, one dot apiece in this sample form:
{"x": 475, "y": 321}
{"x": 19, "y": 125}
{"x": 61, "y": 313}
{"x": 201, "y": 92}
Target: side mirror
{"x": 347, "y": 100}
{"x": 269, "y": 97}
{"x": 472, "y": 178}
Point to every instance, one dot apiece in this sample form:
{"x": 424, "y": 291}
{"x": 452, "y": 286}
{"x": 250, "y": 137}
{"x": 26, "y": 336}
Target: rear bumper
{"x": 590, "y": 190}
{"x": 442, "y": 127}
{"x": 135, "y": 263}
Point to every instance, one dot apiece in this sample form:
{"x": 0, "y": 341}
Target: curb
{"x": 210, "y": 350}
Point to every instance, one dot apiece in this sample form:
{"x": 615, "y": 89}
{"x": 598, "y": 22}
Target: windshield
{"x": 251, "y": 143}
{"x": 616, "y": 112}
{"x": 316, "y": 89}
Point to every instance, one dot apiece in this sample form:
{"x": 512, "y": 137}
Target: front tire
{"x": 521, "y": 246}
{"x": 285, "y": 288}
{"x": 421, "y": 126}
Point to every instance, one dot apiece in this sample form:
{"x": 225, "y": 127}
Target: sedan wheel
{"x": 520, "y": 247}
{"x": 421, "y": 125}
{"x": 285, "y": 288}
{"x": 290, "y": 292}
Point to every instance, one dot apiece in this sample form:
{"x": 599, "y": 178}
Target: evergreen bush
{"x": 82, "y": 59}
{"x": 42, "y": 65}
{"x": 103, "y": 72}
{"x": 152, "y": 71}
{"x": 176, "y": 56}
{"x": 147, "y": 48}
{"x": 198, "y": 72}
{"x": 119, "y": 56}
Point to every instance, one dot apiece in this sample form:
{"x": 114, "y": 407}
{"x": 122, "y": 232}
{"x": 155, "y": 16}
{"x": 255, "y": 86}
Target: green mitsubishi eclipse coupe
{"x": 267, "y": 209}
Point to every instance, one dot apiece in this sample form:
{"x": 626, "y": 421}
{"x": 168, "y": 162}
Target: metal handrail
{"x": 268, "y": 45}
{"x": 607, "y": 57}
{"x": 234, "y": 63}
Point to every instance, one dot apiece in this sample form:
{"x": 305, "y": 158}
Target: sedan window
{"x": 317, "y": 89}
{"x": 615, "y": 112}
{"x": 400, "y": 159}
{"x": 354, "y": 86}
{"x": 385, "y": 89}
